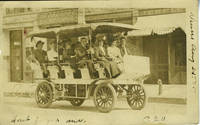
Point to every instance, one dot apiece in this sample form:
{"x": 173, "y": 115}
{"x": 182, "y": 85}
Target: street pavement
{"x": 172, "y": 94}
{"x": 152, "y": 113}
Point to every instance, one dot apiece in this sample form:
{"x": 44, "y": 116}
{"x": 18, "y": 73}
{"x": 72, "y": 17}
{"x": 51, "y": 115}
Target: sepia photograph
{"x": 91, "y": 65}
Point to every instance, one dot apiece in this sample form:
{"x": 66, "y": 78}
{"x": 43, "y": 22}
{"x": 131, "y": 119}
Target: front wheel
{"x": 136, "y": 97}
{"x": 44, "y": 95}
{"x": 76, "y": 102}
{"x": 105, "y": 97}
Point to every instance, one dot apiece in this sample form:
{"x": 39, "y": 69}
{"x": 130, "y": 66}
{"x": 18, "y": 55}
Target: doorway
{"x": 156, "y": 47}
{"x": 16, "y": 56}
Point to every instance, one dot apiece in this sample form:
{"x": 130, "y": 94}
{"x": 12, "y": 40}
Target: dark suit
{"x": 40, "y": 55}
{"x": 82, "y": 58}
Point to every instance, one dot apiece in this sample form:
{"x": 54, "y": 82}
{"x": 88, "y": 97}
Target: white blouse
{"x": 114, "y": 52}
{"x": 51, "y": 54}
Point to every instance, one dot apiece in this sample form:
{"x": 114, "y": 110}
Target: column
{"x": 171, "y": 59}
{"x": 2, "y": 76}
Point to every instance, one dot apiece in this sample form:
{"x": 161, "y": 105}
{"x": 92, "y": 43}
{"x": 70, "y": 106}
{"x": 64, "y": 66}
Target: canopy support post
{"x": 90, "y": 41}
{"x": 57, "y": 41}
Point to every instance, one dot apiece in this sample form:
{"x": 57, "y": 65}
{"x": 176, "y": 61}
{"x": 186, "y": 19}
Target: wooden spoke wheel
{"x": 44, "y": 95}
{"x": 136, "y": 97}
{"x": 105, "y": 97}
{"x": 76, "y": 102}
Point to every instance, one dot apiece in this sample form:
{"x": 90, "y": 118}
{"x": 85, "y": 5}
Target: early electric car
{"x": 63, "y": 83}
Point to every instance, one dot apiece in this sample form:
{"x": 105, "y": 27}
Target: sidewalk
{"x": 20, "y": 89}
{"x": 173, "y": 94}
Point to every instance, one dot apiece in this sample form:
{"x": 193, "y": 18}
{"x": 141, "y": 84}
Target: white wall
{"x": 5, "y": 56}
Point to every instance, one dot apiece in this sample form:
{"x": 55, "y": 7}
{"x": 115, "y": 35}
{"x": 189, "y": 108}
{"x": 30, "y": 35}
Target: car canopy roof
{"x": 82, "y": 30}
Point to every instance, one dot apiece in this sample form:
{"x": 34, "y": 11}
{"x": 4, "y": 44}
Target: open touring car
{"x": 64, "y": 83}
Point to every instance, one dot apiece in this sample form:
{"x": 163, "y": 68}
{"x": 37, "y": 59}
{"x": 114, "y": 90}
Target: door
{"x": 156, "y": 48}
{"x": 16, "y": 55}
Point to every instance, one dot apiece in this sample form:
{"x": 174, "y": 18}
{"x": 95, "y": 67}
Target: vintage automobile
{"x": 103, "y": 90}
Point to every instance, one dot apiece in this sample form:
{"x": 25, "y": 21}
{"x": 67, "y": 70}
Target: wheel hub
{"x": 42, "y": 94}
{"x": 136, "y": 97}
{"x": 103, "y": 96}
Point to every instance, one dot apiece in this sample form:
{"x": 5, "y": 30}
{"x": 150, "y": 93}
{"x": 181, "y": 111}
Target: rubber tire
{"x": 114, "y": 97}
{"x": 144, "y": 100}
{"x": 50, "y": 95}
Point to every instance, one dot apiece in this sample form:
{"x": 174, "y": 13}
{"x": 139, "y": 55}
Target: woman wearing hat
{"x": 100, "y": 54}
{"x": 115, "y": 54}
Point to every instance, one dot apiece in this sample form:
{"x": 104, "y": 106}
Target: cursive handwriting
{"x": 193, "y": 46}
{"x": 76, "y": 121}
{"x": 22, "y": 120}
{"x": 191, "y": 59}
{"x": 192, "y": 19}
{"x": 18, "y": 119}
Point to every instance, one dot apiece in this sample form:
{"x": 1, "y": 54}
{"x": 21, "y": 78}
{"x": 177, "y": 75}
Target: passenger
{"x": 110, "y": 66}
{"x": 122, "y": 46}
{"x": 68, "y": 52}
{"x": 52, "y": 54}
{"x": 115, "y": 54}
{"x": 41, "y": 56}
{"x": 39, "y": 53}
{"x": 82, "y": 58}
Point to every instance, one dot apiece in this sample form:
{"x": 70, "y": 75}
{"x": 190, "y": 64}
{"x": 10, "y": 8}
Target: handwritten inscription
{"x": 154, "y": 118}
{"x": 193, "y": 50}
{"x": 191, "y": 26}
{"x": 24, "y": 120}
{"x": 16, "y": 119}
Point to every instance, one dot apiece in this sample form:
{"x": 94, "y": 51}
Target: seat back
{"x": 68, "y": 72}
{"x": 53, "y": 71}
{"x": 85, "y": 73}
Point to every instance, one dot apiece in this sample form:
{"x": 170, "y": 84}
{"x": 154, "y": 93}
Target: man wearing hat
{"x": 82, "y": 52}
{"x": 41, "y": 56}
{"x": 39, "y": 53}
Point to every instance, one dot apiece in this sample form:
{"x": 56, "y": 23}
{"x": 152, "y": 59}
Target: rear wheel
{"x": 44, "y": 95}
{"x": 136, "y": 97}
{"x": 105, "y": 97}
{"x": 76, "y": 102}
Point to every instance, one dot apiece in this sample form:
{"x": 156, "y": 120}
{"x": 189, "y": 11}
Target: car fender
{"x": 48, "y": 82}
{"x": 97, "y": 82}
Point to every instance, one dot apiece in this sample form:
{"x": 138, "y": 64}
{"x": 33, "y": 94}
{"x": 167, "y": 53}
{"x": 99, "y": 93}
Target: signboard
{"x": 56, "y": 17}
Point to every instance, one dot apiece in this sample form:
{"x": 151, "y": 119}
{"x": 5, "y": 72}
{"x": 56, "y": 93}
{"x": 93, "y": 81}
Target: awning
{"x": 111, "y": 27}
{"x": 160, "y": 24}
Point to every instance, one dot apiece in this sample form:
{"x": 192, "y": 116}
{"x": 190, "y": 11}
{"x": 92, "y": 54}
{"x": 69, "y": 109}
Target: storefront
{"x": 16, "y": 27}
{"x": 164, "y": 42}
